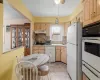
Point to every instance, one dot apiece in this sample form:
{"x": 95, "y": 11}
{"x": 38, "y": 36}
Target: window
{"x": 56, "y": 33}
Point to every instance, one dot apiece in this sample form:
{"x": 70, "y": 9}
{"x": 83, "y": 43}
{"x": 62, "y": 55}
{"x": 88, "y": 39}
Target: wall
{"x": 1, "y": 28}
{"x": 78, "y": 9}
{"x": 7, "y": 61}
{"x": 20, "y": 7}
{"x": 51, "y": 19}
{"x": 7, "y": 35}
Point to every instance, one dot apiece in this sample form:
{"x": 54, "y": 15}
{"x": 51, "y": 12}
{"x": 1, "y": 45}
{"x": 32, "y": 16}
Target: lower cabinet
{"x": 39, "y": 49}
{"x": 58, "y": 55}
{"x": 61, "y": 54}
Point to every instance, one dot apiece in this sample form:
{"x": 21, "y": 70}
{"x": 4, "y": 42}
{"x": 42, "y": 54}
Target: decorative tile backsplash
{"x": 44, "y": 38}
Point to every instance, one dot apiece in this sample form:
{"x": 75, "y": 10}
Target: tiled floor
{"x": 58, "y": 71}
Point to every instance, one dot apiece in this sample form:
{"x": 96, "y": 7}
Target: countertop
{"x": 51, "y": 45}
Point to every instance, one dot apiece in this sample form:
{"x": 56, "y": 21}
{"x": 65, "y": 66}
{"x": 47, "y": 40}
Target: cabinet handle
{"x": 94, "y": 14}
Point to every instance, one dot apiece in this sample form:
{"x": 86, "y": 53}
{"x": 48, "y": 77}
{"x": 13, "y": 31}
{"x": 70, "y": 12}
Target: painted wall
{"x": 1, "y": 28}
{"x": 52, "y": 19}
{"x": 7, "y": 63}
{"x": 78, "y": 9}
{"x": 7, "y": 35}
{"x": 20, "y": 7}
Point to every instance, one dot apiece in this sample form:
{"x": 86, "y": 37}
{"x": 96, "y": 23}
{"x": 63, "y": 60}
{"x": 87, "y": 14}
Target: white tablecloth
{"x": 37, "y": 59}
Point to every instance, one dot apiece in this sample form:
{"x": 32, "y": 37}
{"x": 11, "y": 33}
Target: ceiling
{"x": 10, "y": 13}
{"x": 48, "y": 8}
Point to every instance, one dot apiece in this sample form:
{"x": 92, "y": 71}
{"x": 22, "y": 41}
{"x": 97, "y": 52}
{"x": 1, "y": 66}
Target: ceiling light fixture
{"x": 59, "y": 1}
{"x": 57, "y": 19}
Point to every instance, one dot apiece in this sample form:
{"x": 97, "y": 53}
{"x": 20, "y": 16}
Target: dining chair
{"x": 43, "y": 71}
{"x": 26, "y": 70}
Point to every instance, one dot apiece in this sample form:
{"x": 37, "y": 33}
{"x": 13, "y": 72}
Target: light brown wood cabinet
{"x": 42, "y": 26}
{"x": 80, "y": 17}
{"x": 39, "y": 49}
{"x": 61, "y": 54}
{"x": 91, "y": 11}
{"x": 58, "y": 53}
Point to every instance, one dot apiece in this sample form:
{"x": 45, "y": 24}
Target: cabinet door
{"x": 58, "y": 55}
{"x": 48, "y": 29}
{"x": 97, "y": 5}
{"x": 86, "y": 10}
{"x": 96, "y": 10}
{"x": 91, "y": 9}
{"x": 63, "y": 55}
{"x": 37, "y": 26}
{"x": 43, "y": 26}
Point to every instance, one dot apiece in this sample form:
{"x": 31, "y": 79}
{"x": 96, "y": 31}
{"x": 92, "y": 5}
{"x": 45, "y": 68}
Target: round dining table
{"x": 37, "y": 59}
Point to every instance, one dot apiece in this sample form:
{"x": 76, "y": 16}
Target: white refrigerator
{"x": 74, "y": 51}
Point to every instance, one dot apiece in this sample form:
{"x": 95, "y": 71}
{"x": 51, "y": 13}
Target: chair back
{"x": 26, "y": 70}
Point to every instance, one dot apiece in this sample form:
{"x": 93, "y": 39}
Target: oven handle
{"x": 91, "y": 71}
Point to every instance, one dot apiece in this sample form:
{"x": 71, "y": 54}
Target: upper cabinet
{"x": 91, "y": 11}
{"x": 42, "y": 26}
{"x": 86, "y": 12}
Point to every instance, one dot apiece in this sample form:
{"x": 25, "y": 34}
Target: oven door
{"x": 91, "y": 53}
{"x": 92, "y": 48}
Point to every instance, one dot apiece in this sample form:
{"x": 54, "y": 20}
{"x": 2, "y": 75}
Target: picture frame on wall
{"x": 7, "y": 28}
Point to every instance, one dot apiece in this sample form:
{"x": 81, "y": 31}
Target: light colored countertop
{"x": 51, "y": 45}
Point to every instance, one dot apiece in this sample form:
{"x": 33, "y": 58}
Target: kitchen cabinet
{"x": 37, "y": 26}
{"x": 39, "y": 49}
{"x": 42, "y": 26}
{"x": 91, "y": 11}
{"x": 86, "y": 11}
{"x": 80, "y": 17}
{"x": 58, "y": 53}
{"x": 96, "y": 10}
{"x": 50, "y": 50}
{"x": 63, "y": 55}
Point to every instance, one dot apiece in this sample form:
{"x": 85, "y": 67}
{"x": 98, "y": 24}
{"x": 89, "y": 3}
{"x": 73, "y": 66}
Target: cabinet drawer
{"x": 35, "y": 51}
{"x": 35, "y": 47}
{"x": 58, "y": 47}
{"x": 41, "y": 51}
{"x": 42, "y": 48}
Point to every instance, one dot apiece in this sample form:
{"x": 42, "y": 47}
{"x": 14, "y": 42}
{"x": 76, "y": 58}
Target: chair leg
{"x": 49, "y": 78}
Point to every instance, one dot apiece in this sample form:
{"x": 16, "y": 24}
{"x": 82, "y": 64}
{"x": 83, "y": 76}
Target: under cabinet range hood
{"x": 40, "y": 32}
